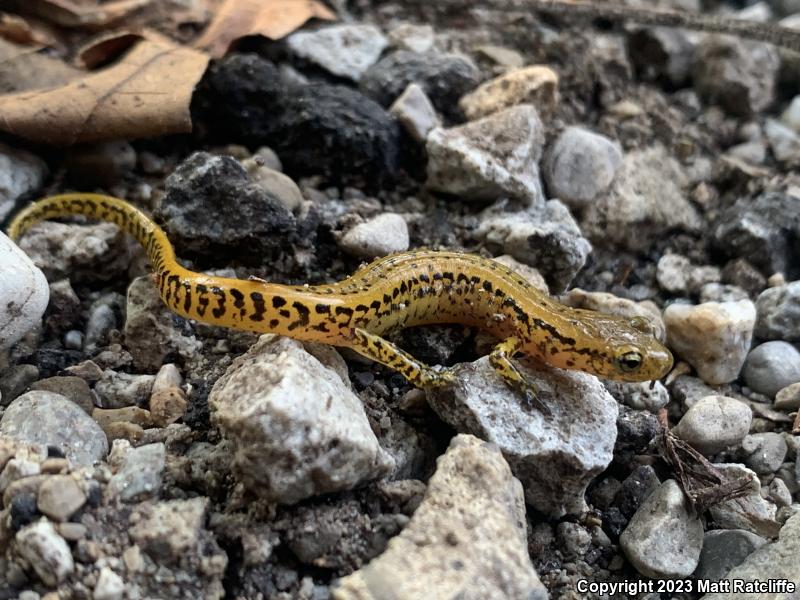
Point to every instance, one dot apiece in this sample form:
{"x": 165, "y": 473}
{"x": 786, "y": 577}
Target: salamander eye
{"x": 629, "y": 361}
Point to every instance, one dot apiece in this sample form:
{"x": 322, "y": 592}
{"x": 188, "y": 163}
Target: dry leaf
{"x": 16, "y": 29}
{"x": 147, "y": 93}
{"x": 72, "y": 13}
{"x": 271, "y": 18}
{"x": 28, "y": 67}
{"x": 107, "y": 47}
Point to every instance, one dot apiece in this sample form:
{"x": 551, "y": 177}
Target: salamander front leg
{"x": 385, "y": 352}
{"x": 501, "y": 359}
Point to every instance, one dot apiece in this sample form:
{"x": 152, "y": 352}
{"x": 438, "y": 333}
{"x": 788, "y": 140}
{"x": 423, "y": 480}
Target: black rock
{"x": 765, "y": 231}
{"x": 614, "y": 523}
{"x": 211, "y": 204}
{"x": 635, "y": 429}
{"x": 636, "y": 488}
{"x": 23, "y": 510}
{"x": 443, "y": 77}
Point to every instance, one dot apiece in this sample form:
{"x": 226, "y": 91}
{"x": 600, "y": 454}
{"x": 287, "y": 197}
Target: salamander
{"x": 418, "y": 287}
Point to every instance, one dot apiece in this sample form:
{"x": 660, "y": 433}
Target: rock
{"x": 764, "y": 230}
{"x": 784, "y": 141}
{"x": 23, "y": 291}
{"x": 554, "y": 457}
{"x": 645, "y": 197}
{"x": 636, "y": 488}
{"x": 545, "y": 237}
{"x": 379, "y": 236}
{"x": 64, "y": 309}
{"x": 677, "y": 275}
{"x": 764, "y": 452}
{"x": 502, "y": 56}
{"x": 81, "y": 252}
{"x": 778, "y": 311}
{"x": 196, "y": 208}
{"x": 298, "y": 429}
{"x": 738, "y": 75}
{"x": 647, "y": 395}
{"x": 415, "y": 112}
{"x": 101, "y": 321}
{"x": 169, "y": 530}
{"x": 772, "y": 366}
{"x": 467, "y": 539}
{"x": 536, "y": 85}
{"x": 715, "y": 423}
{"x": 20, "y": 173}
{"x": 346, "y": 50}
{"x": 109, "y": 586}
{"x": 527, "y": 272}
{"x": 662, "y": 539}
{"x": 778, "y": 561}
{"x": 15, "y": 380}
{"x": 751, "y": 511}
{"x": 443, "y": 77}
{"x": 494, "y": 156}
{"x": 40, "y": 417}
{"x": 724, "y": 549}
{"x": 46, "y": 551}
{"x": 18, "y": 468}
{"x": 140, "y": 472}
{"x": 99, "y": 165}
{"x": 791, "y": 116}
{"x": 277, "y": 185}
{"x": 574, "y": 540}
{"x": 662, "y": 54}
{"x": 60, "y": 496}
{"x": 168, "y": 401}
{"x": 71, "y": 387}
{"x": 412, "y": 37}
{"x": 263, "y": 157}
{"x": 580, "y": 165}
{"x": 720, "y": 292}
{"x": 779, "y": 492}
{"x": 754, "y": 153}
{"x": 741, "y": 273}
{"x": 613, "y": 305}
{"x": 152, "y": 331}
{"x": 714, "y": 337}
{"x": 788, "y": 398}
{"x": 115, "y": 390}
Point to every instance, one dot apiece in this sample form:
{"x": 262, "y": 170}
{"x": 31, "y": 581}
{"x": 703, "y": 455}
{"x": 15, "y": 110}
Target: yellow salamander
{"x": 401, "y": 290}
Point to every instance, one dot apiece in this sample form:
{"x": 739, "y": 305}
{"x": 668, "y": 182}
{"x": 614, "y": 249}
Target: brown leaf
{"x": 28, "y": 67}
{"x": 147, "y": 93}
{"x": 273, "y": 19}
{"x": 74, "y": 13}
{"x": 20, "y": 31}
{"x": 108, "y": 46}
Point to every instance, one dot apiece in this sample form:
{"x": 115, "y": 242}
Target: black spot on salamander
{"x": 423, "y": 277}
{"x": 187, "y": 299}
{"x": 278, "y": 301}
{"x": 172, "y": 279}
{"x": 323, "y": 327}
{"x": 376, "y": 306}
{"x": 258, "y": 306}
{"x": 284, "y": 313}
{"x": 362, "y": 308}
{"x": 474, "y": 280}
{"x": 220, "y": 309}
{"x": 403, "y": 287}
{"x": 395, "y": 292}
{"x": 487, "y": 285}
{"x": 553, "y": 331}
{"x": 302, "y": 314}
{"x": 437, "y": 276}
{"x": 238, "y": 301}
{"x": 499, "y": 293}
{"x": 387, "y": 299}
{"x": 448, "y": 275}
{"x": 323, "y": 309}
{"x": 274, "y": 323}
{"x": 462, "y": 278}
{"x": 344, "y": 310}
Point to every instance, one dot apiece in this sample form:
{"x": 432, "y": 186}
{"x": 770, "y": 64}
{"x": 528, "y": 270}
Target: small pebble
{"x": 715, "y": 423}
{"x": 415, "y": 112}
{"x": 788, "y": 398}
{"x": 169, "y": 530}
{"x": 379, "y": 236}
{"x": 724, "y": 549}
{"x": 23, "y": 293}
{"x": 771, "y": 367}
{"x": 117, "y": 390}
{"x": 140, "y": 472}
{"x": 73, "y": 339}
{"x": 791, "y": 116}
{"x": 109, "y": 586}
{"x": 779, "y": 313}
{"x": 15, "y": 380}
{"x": 71, "y": 387}
{"x": 580, "y": 165}
{"x": 536, "y": 85}
{"x": 713, "y": 337}
{"x": 764, "y": 452}
{"x": 412, "y": 37}
{"x": 677, "y": 275}
{"x": 277, "y": 186}
{"x": 784, "y": 141}
{"x": 779, "y": 492}
{"x": 72, "y": 532}
{"x": 720, "y": 292}
{"x": 60, "y": 496}
{"x": 500, "y": 55}
{"x": 20, "y": 172}
{"x": 46, "y": 551}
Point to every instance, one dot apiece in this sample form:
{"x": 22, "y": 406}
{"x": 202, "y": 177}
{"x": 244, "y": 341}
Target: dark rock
{"x": 765, "y": 231}
{"x": 614, "y": 522}
{"x": 23, "y": 510}
{"x": 443, "y": 77}
{"x": 64, "y": 309}
{"x": 52, "y": 360}
{"x": 636, "y": 488}
{"x": 662, "y": 54}
{"x": 741, "y": 273}
{"x": 71, "y": 387}
{"x": 210, "y": 203}
{"x": 635, "y": 429}
{"x": 15, "y": 380}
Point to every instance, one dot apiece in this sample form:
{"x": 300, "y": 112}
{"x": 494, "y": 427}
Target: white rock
{"x": 109, "y": 586}
{"x": 347, "y": 50}
{"x": 751, "y": 511}
{"x": 415, "y": 112}
{"x": 20, "y": 172}
{"x": 713, "y": 337}
{"x": 170, "y": 530}
{"x": 494, "y": 156}
{"x": 416, "y": 38}
{"x": 677, "y": 275}
{"x": 46, "y": 551}
{"x": 140, "y": 472}
{"x": 791, "y": 116}
{"x": 298, "y": 429}
{"x": 24, "y": 293}
{"x": 379, "y": 236}
{"x": 784, "y": 141}
{"x": 715, "y": 423}
{"x": 536, "y": 85}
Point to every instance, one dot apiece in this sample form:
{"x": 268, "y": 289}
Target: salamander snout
{"x": 641, "y": 363}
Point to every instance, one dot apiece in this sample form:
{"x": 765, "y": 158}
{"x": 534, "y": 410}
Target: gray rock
{"x": 713, "y": 337}
{"x": 412, "y": 37}
{"x": 751, "y": 511}
{"x": 724, "y": 549}
{"x": 46, "y": 551}
{"x": 443, "y": 77}
{"x": 101, "y": 321}
{"x": 23, "y": 293}
{"x": 738, "y": 75}
{"x": 784, "y": 141}
{"x": 663, "y": 539}
{"x": 346, "y": 50}
{"x": 46, "y": 418}
{"x": 636, "y": 488}
{"x": 467, "y": 539}
{"x": 788, "y": 398}
{"x": 677, "y": 275}
{"x": 276, "y": 185}
{"x": 170, "y": 530}
{"x": 574, "y": 540}
{"x": 646, "y": 395}
{"x": 764, "y": 452}
{"x": 536, "y": 85}
{"x": 109, "y": 586}
{"x": 151, "y": 329}
{"x": 71, "y": 387}
{"x": 754, "y": 152}
{"x": 715, "y": 423}
{"x": 720, "y": 292}
{"x": 791, "y": 116}
{"x": 689, "y": 390}
{"x": 763, "y": 230}
{"x": 298, "y": 429}
{"x": 415, "y": 112}
{"x": 20, "y": 172}
{"x": 779, "y": 560}
{"x": 741, "y": 273}
{"x": 779, "y": 492}
{"x": 15, "y": 380}
{"x": 646, "y": 196}
{"x": 545, "y": 237}
{"x": 116, "y": 390}
{"x": 494, "y": 156}
{"x": 139, "y": 472}
{"x": 555, "y": 457}
{"x": 580, "y": 165}
{"x": 662, "y": 54}
{"x": 779, "y": 313}
{"x": 379, "y": 236}
{"x": 772, "y": 366}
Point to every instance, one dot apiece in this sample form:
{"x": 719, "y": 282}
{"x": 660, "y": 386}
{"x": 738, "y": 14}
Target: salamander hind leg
{"x": 501, "y": 359}
{"x": 385, "y": 352}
